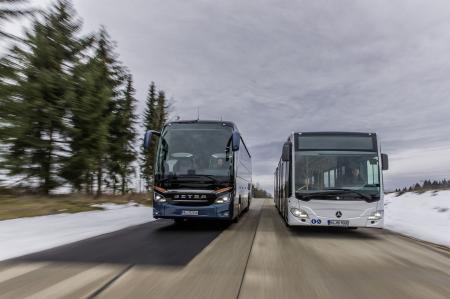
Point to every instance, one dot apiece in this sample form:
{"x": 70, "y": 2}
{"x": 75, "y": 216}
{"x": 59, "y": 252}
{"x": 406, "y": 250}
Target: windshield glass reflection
{"x": 195, "y": 150}
{"x": 318, "y": 171}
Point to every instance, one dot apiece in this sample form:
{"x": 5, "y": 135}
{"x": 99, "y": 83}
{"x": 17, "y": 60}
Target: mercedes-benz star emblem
{"x": 338, "y": 214}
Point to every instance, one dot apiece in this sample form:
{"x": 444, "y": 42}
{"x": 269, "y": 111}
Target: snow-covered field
{"x": 423, "y": 216}
{"x": 26, "y": 235}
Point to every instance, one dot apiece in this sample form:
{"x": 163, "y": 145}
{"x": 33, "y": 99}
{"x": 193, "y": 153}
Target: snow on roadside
{"x": 26, "y": 235}
{"x": 423, "y": 216}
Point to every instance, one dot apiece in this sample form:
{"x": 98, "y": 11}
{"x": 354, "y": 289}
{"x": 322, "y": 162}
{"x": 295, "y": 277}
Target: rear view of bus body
{"x": 331, "y": 179}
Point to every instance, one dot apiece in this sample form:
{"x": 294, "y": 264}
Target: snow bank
{"x": 423, "y": 216}
{"x": 26, "y": 235}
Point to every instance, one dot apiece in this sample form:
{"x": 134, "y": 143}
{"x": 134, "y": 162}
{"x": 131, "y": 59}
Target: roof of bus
{"x": 335, "y": 133}
{"x": 228, "y": 123}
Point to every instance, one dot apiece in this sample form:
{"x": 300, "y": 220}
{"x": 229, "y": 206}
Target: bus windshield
{"x": 195, "y": 150}
{"x": 327, "y": 170}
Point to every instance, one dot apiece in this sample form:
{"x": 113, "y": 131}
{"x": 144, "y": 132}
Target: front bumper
{"x": 171, "y": 211}
{"x": 362, "y": 221}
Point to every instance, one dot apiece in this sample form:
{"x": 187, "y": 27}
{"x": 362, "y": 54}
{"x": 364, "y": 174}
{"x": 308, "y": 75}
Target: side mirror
{"x": 148, "y": 138}
{"x": 384, "y": 162}
{"x": 236, "y": 140}
{"x": 286, "y": 154}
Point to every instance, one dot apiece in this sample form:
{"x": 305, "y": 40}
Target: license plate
{"x": 189, "y": 213}
{"x": 338, "y": 222}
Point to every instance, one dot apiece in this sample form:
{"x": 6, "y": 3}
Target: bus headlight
{"x": 159, "y": 198}
{"x": 376, "y": 215}
{"x": 299, "y": 213}
{"x": 223, "y": 198}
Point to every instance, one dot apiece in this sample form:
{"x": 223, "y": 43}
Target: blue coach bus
{"x": 203, "y": 170}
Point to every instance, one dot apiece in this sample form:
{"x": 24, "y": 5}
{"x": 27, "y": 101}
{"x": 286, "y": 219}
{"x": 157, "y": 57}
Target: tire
{"x": 286, "y": 221}
{"x": 285, "y": 218}
{"x": 248, "y": 205}
{"x": 238, "y": 216}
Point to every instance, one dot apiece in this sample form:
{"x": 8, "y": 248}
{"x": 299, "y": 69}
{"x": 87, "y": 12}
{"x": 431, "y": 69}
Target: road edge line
{"x": 431, "y": 245}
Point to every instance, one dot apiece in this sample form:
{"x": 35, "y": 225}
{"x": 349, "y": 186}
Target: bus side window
{"x": 289, "y": 165}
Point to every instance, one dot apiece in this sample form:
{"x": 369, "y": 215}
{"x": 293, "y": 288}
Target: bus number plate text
{"x": 338, "y": 222}
{"x": 189, "y": 213}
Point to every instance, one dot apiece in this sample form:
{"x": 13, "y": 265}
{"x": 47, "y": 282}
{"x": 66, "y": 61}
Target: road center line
{"x": 251, "y": 248}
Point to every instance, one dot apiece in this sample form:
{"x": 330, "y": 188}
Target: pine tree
{"x": 113, "y": 76}
{"x": 122, "y": 138}
{"x": 150, "y": 123}
{"x": 89, "y": 128}
{"x": 98, "y": 102}
{"x": 155, "y": 116}
{"x": 258, "y": 192}
{"x": 417, "y": 187}
{"x": 38, "y": 85}
{"x": 162, "y": 110}
{"x": 129, "y": 133}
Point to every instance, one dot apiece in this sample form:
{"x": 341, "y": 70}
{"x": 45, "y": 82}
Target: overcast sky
{"x": 279, "y": 66}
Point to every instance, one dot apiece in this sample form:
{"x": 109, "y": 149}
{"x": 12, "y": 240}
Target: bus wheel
{"x": 248, "y": 205}
{"x": 236, "y": 219}
{"x": 286, "y": 220}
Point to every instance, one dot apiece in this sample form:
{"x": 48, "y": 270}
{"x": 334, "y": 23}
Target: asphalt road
{"x": 257, "y": 258}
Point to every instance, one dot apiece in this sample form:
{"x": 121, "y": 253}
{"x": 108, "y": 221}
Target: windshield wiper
{"x": 210, "y": 177}
{"x": 347, "y": 190}
{"x": 329, "y": 192}
{"x": 309, "y": 196}
{"x": 326, "y": 192}
{"x": 165, "y": 179}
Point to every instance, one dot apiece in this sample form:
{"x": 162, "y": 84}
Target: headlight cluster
{"x": 223, "y": 198}
{"x": 159, "y": 198}
{"x": 376, "y": 215}
{"x": 299, "y": 213}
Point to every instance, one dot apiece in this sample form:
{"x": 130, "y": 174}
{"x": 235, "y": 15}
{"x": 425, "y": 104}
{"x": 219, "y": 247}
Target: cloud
{"x": 278, "y": 66}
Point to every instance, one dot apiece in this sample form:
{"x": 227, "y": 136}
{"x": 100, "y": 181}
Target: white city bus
{"x": 331, "y": 179}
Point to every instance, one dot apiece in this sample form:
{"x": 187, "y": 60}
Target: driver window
{"x": 181, "y": 163}
{"x": 217, "y": 161}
